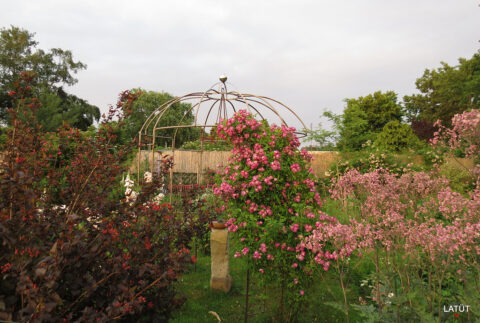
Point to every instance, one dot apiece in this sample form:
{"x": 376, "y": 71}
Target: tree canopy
{"x": 53, "y": 69}
{"x": 59, "y": 107}
{"x": 364, "y": 117}
{"x": 446, "y": 91}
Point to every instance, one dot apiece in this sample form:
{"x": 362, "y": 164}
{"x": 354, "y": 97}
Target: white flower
{"x": 128, "y": 181}
{"x": 147, "y": 177}
{"x": 59, "y": 207}
{"x": 130, "y": 195}
{"x": 390, "y": 295}
{"x": 208, "y": 193}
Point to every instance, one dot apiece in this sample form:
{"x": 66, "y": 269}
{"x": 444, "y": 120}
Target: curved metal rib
{"x": 216, "y": 94}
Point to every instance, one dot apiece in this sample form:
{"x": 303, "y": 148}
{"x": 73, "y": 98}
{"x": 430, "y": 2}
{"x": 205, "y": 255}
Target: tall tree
{"x": 53, "y": 69}
{"x": 363, "y": 118}
{"x": 446, "y": 91}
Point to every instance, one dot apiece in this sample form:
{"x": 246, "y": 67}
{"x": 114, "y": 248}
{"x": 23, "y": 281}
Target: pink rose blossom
{"x": 295, "y": 168}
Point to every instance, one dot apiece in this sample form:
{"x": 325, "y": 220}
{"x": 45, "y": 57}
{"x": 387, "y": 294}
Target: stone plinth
{"x": 219, "y": 246}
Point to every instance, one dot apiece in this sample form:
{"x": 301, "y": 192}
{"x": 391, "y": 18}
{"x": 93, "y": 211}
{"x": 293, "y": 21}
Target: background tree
{"x": 446, "y": 91}
{"x": 379, "y": 108}
{"x": 60, "y": 107}
{"x": 53, "y": 69}
{"x": 363, "y": 118}
{"x": 145, "y": 104}
{"x": 353, "y": 129}
{"x": 324, "y": 140}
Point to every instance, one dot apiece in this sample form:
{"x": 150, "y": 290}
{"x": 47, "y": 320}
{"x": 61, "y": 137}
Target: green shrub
{"x": 368, "y": 160}
{"x": 461, "y": 180}
{"x": 207, "y": 146}
{"x": 397, "y": 137}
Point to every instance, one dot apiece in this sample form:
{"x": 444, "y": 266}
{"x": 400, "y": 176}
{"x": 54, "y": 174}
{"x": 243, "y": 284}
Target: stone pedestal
{"x": 219, "y": 246}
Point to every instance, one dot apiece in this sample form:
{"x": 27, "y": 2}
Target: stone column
{"x": 219, "y": 246}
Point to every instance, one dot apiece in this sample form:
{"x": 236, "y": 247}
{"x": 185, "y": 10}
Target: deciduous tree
{"x": 365, "y": 117}
{"x": 446, "y": 91}
{"x": 52, "y": 69}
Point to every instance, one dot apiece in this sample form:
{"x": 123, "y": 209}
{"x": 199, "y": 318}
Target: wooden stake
{"x": 245, "y": 319}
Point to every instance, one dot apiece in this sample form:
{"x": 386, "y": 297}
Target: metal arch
{"x": 285, "y": 106}
{"x": 160, "y": 109}
{"x": 225, "y": 99}
{"x": 183, "y": 117}
{"x": 194, "y": 124}
{"x": 266, "y": 104}
{"x": 210, "y": 110}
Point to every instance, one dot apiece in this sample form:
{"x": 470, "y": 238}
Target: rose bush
{"x": 272, "y": 202}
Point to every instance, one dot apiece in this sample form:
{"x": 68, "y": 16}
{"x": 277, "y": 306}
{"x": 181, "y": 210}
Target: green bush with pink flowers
{"x": 272, "y": 204}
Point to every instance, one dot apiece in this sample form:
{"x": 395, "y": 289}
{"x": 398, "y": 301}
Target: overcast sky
{"x": 308, "y": 54}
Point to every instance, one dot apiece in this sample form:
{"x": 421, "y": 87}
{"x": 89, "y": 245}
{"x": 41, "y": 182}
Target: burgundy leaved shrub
{"x": 70, "y": 250}
{"x": 423, "y": 129}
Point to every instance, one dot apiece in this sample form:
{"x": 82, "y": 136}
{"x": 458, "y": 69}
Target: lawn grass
{"x": 324, "y": 302}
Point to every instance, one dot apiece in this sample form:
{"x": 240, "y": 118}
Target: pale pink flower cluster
{"x": 416, "y": 213}
{"x": 342, "y": 237}
{"x": 465, "y": 133}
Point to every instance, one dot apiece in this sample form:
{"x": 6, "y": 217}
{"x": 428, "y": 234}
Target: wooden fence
{"x": 194, "y": 161}
{"x": 188, "y": 162}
